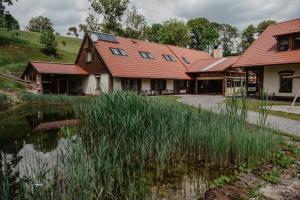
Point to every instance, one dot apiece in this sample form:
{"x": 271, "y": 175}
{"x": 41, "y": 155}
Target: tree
{"x": 204, "y": 34}
{"x": 9, "y": 22}
{"x": 263, "y": 25}
{"x": 2, "y": 6}
{"x": 40, "y": 24}
{"x": 152, "y": 33}
{"x": 91, "y": 24}
{"x": 135, "y": 24}
{"x": 48, "y": 40}
{"x": 174, "y": 32}
{"x": 112, "y": 12}
{"x": 73, "y": 30}
{"x": 228, "y": 35}
{"x": 248, "y": 37}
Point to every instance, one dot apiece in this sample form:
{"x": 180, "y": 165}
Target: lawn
{"x": 16, "y": 52}
{"x": 254, "y": 106}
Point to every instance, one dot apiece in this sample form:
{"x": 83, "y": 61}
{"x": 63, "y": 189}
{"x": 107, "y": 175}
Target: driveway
{"x": 215, "y": 103}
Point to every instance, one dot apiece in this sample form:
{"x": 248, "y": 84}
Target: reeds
{"x": 123, "y": 136}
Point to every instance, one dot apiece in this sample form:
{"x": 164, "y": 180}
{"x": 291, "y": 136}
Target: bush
{"x": 272, "y": 176}
{"x": 48, "y": 40}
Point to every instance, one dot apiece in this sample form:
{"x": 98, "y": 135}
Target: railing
{"x": 27, "y": 84}
{"x": 162, "y": 92}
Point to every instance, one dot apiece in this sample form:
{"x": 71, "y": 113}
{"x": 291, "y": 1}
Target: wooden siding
{"x": 97, "y": 65}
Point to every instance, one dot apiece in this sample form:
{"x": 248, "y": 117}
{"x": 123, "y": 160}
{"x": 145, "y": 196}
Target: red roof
{"x": 212, "y": 65}
{"x": 58, "y": 68}
{"x": 263, "y": 51}
{"x": 134, "y": 66}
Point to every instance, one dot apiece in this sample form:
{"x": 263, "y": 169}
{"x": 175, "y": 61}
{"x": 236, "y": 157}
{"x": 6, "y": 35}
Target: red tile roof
{"x": 134, "y": 66}
{"x": 212, "y": 65}
{"x": 58, "y": 68}
{"x": 263, "y": 51}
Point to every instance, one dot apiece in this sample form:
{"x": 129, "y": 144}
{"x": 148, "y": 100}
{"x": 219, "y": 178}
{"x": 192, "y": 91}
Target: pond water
{"x": 34, "y": 134}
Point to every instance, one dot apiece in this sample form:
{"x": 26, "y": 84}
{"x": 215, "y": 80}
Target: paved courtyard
{"x": 215, "y": 103}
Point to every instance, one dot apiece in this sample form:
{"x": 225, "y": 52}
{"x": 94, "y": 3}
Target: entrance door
{"x": 210, "y": 86}
{"x": 62, "y": 86}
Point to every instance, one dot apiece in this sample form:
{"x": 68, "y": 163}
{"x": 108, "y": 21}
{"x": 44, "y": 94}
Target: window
{"x": 119, "y": 52}
{"x": 89, "y": 56}
{"x": 186, "y": 60}
{"x": 158, "y": 84}
{"x": 297, "y": 41}
{"x": 131, "y": 84}
{"x": 283, "y": 43}
{"x": 180, "y": 84}
{"x": 286, "y": 84}
{"x": 146, "y": 55}
{"x": 169, "y": 58}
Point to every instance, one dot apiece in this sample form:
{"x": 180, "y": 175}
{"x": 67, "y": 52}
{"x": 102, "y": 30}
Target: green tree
{"x": 40, "y": 24}
{"x": 3, "y": 7}
{"x": 135, "y": 24}
{"x": 263, "y": 25}
{"x": 112, "y": 12}
{"x": 73, "y": 30}
{"x": 174, "y": 32}
{"x": 9, "y": 22}
{"x": 152, "y": 33}
{"x": 91, "y": 24}
{"x": 228, "y": 35}
{"x": 205, "y": 35}
{"x": 48, "y": 41}
{"x": 248, "y": 37}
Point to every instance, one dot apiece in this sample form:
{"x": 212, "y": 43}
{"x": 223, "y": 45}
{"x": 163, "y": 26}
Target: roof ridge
{"x": 212, "y": 65}
{"x": 285, "y": 21}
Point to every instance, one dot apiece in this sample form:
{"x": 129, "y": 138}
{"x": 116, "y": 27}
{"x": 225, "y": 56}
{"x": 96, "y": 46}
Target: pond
{"x": 34, "y": 134}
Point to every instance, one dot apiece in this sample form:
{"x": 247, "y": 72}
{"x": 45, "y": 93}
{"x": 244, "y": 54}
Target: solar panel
{"x": 104, "y": 37}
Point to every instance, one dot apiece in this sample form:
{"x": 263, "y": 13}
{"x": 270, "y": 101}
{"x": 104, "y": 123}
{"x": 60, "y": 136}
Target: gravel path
{"x": 215, "y": 103}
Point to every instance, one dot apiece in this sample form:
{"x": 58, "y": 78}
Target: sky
{"x": 239, "y": 13}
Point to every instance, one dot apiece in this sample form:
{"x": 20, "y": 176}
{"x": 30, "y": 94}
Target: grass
{"x": 123, "y": 136}
{"x": 255, "y": 104}
{"x": 16, "y": 52}
{"x": 44, "y": 99}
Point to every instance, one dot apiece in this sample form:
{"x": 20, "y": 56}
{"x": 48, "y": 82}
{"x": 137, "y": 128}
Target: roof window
{"x": 119, "y": 52}
{"x": 186, "y": 60}
{"x": 146, "y": 55}
{"x": 169, "y": 58}
{"x": 283, "y": 43}
{"x": 297, "y": 41}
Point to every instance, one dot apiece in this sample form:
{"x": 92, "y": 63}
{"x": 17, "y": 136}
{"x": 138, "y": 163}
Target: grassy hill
{"x": 16, "y": 52}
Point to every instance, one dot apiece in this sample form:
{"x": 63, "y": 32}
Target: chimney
{"x": 218, "y": 53}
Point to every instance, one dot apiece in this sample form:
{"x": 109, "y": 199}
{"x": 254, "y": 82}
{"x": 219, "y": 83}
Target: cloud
{"x": 65, "y": 13}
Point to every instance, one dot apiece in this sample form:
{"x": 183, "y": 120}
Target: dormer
{"x": 288, "y": 41}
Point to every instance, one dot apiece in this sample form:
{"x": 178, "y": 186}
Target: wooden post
{"x": 247, "y": 81}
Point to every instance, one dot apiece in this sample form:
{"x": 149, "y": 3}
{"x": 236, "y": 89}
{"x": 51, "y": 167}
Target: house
{"x": 216, "y": 76}
{"x": 274, "y": 57}
{"x": 109, "y": 63}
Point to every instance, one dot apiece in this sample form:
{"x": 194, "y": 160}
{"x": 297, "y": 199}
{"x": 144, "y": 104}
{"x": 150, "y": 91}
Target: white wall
{"x": 272, "y": 83}
{"x": 146, "y": 84}
{"x": 117, "y": 84}
{"x": 170, "y": 84}
{"x": 104, "y": 83}
{"x": 89, "y": 85}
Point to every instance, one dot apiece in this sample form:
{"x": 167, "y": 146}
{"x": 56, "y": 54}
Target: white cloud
{"x": 65, "y": 13}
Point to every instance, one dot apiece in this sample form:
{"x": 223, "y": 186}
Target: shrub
{"x": 272, "y": 176}
{"x": 220, "y": 181}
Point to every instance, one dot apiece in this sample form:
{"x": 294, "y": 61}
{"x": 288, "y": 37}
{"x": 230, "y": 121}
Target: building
{"x": 109, "y": 63}
{"x": 274, "y": 58}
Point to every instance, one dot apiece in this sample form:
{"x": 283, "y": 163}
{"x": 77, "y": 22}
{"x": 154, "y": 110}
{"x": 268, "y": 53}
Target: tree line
{"x": 122, "y": 20}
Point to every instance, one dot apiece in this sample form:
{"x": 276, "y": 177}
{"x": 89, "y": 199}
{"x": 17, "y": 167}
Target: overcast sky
{"x": 240, "y": 13}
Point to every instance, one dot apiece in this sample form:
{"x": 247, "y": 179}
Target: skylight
{"x": 169, "y": 58}
{"x": 146, "y": 55}
{"x": 186, "y": 60}
{"x": 119, "y": 52}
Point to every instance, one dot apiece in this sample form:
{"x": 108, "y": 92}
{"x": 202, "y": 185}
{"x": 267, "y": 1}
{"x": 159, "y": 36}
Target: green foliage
{"x": 248, "y": 37}
{"x": 174, "y": 32}
{"x": 9, "y": 22}
{"x": 3, "y": 7}
{"x": 205, "y": 35}
{"x": 152, "y": 33}
{"x": 91, "y": 24}
{"x": 73, "y": 30}
{"x": 112, "y": 12}
{"x": 40, "y": 24}
{"x": 263, "y": 25}
{"x": 3, "y": 99}
{"x": 220, "y": 181}
{"x": 282, "y": 160}
{"x": 134, "y": 25}
{"x": 48, "y": 40}
{"x": 272, "y": 176}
